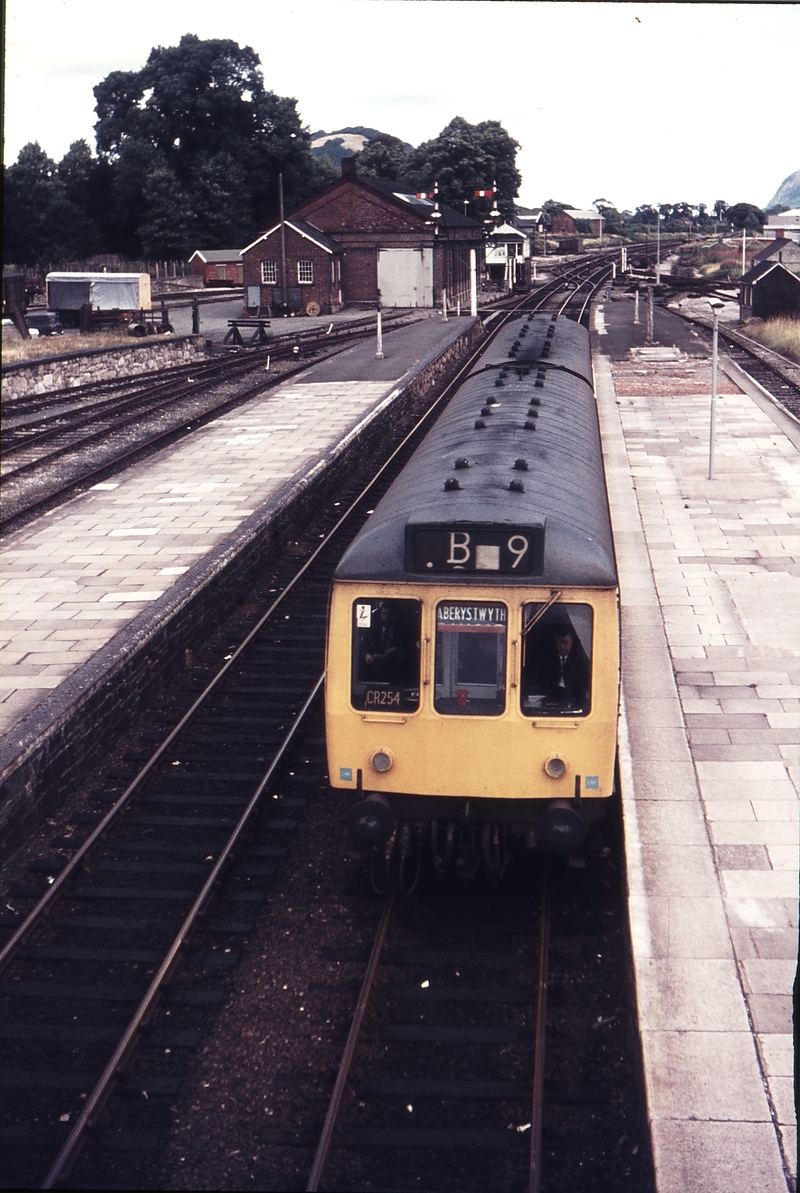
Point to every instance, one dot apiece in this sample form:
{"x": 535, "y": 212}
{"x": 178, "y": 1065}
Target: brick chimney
{"x": 349, "y": 167}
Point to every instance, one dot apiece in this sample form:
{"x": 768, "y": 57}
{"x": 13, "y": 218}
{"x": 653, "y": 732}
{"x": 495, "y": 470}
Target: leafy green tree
{"x": 47, "y": 208}
{"x": 468, "y": 157}
{"x": 746, "y": 215}
{"x": 613, "y": 223}
{"x": 195, "y": 111}
{"x": 553, "y": 207}
{"x": 382, "y": 157}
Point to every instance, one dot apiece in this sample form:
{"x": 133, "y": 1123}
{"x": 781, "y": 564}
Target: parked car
{"x": 47, "y": 323}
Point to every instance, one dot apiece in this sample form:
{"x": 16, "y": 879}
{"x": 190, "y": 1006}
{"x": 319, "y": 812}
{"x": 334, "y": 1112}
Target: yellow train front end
{"x": 473, "y": 649}
{"x": 439, "y": 697}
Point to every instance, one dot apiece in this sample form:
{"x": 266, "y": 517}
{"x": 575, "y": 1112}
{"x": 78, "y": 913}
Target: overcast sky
{"x": 636, "y": 103}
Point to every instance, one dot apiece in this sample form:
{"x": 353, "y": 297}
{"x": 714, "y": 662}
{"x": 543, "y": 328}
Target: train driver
{"x": 564, "y": 669}
{"x": 383, "y": 658}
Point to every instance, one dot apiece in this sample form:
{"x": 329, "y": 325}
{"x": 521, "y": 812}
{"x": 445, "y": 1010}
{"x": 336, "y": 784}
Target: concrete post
{"x": 379, "y": 353}
{"x": 444, "y": 306}
{"x": 636, "y": 305}
{"x": 195, "y": 317}
{"x": 712, "y": 427}
{"x": 473, "y": 283}
{"x": 650, "y": 315}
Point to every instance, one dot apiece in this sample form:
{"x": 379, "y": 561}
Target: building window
{"x": 269, "y": 273}
{"x": 305, "y": 272}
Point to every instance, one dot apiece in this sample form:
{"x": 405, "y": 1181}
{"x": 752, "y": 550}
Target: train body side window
{"x": 385, "y": 667}
{"x": 470, "y": 677}
{"x": 556, "y": 661}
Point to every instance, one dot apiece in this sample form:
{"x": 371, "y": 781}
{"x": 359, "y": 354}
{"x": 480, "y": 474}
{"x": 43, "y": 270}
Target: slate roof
{"x": 776, "y": 247}
{"x": 763, "y": 268}
{"x": 218, "y": 256}
{"x": 304, "y": 228}
{"x": 406, "y": 192}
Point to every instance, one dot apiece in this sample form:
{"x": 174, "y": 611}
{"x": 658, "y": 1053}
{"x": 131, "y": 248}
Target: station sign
{"x": 506, "y": 550}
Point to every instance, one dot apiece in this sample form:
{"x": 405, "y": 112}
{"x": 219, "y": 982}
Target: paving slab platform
{"x": 709, "y": 748}
{"x": 105, "y": 592}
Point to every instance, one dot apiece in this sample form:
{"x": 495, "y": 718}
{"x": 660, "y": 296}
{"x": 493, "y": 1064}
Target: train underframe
{"x": 467, "y": 836}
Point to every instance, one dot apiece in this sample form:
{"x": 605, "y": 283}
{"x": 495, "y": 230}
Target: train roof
{"x": 473, "y": 494}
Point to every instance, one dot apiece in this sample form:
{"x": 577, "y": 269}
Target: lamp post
{"x": 716, "y": 305}
{"x": 658, "y": 247}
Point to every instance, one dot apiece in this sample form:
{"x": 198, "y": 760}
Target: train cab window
{"x": 556, "y": 676}
{"x": 470, "y": 677}
{"x": 386, "y": 637}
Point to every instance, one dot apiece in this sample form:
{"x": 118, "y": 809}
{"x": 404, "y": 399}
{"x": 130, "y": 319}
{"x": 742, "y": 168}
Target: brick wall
{"x": 324, "y": 289}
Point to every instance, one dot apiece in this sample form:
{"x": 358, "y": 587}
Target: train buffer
{"x": 257, "y": 327}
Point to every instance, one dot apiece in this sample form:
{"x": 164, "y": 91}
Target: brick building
{"x": 381, "y": 243}
{"x": 217, "y": 265}
{"x": 313, "y": 268}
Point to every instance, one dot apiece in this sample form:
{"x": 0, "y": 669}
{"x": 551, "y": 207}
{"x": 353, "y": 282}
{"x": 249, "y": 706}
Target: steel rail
{"x": 99, "y": 831}
{"x": 112, "y": 465}
{"x": 99, "y": 1095}
{"x": 328, "y": 1127}
{"x": 535, "y": 1168}
{"x": 145, "y": 396}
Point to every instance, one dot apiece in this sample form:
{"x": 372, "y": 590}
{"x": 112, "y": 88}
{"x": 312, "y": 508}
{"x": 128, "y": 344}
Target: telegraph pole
{"x": 285, "y": 303}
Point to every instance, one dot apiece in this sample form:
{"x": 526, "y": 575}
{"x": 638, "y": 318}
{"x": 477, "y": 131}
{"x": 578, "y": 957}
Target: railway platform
{"x": 710, "y": 737}
{"x": 110, "y": 575}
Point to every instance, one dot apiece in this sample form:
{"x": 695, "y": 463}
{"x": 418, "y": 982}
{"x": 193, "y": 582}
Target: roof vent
{"x": 536, "y": 401}
{"x": 487, "y": 410}
{"x": 498, "y": 381}
{"x": 504, "y": 372}
{"x": 479, "y": 424}
{"x": 541, "y": 374}
{"x": 521, "y": 465}
{"x": 551, "y": 331}
{"x": 492, "y": 401}
{"x": 451, "y": 484}
{"x": 516, "y": 487}
{"x": 538, "y": 384}
{"x": 516, "y": 344}
{"x": 461, "y": 462}
{"x": 554, "y": 318}
{"x": 533, "y": 413}
{"x": 529, "y": 426}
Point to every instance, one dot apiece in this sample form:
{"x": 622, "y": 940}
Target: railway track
{"x": 453, "y": 994}
{"x": 55, "y": 446}
{"x": 111, "y": 976}
{"x": 778, "y": 384}
{"x": 182, "y": 810}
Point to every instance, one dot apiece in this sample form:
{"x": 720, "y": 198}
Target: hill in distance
{"x": 344, "y": 142}
{"x": 788, "y": 193}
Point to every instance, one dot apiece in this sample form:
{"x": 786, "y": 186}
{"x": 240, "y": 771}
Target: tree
{"x": 719, "y": 209}
{"x": 613, "y": 222}
{"x": 47, "y": 208}
{"x": 382, "y": 157}
{"x": 746, "y": 215}
{"x": 199, "y": 112}
{"x": 468, "y": 157}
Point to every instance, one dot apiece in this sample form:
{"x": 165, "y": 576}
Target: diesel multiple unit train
{"x": 473, "y": 651}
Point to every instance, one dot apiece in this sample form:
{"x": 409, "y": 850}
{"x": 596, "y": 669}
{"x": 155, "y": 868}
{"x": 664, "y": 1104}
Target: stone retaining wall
{"x": 22, "y": 379}
{"x": 62, "y": 741}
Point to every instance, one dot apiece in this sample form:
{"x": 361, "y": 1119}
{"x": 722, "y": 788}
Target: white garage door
{"x": 405, "y": 277}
